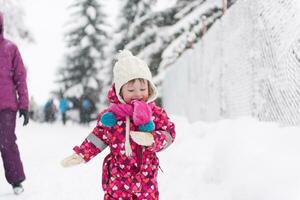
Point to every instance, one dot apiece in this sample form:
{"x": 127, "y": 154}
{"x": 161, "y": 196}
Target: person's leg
{"x": 84, "y": 117}
{"x": 124, "y": 196}
{"x": 13, "y": 166}
{"x": 64, "y": 118}
{"x": 88, "y": 117}
{"x": 115, "y": 191}
{"x": 149, "y": 189}
{"x": 108, "y": 197}
{"x": 47, "y": 116}
{"x": 154, "y": 195}
{"x": 81, "y": 116}
{"x": 52, "y": 117}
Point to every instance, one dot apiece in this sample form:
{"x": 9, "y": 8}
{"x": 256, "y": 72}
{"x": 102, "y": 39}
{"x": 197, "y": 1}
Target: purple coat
{"x": 13, "y": 88}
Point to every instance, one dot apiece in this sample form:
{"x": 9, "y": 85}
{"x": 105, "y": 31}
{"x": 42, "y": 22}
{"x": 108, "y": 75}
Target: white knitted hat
{"x": 129, "y": 67}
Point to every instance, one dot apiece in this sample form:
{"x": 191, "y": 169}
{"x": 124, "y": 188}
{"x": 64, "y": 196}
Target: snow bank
{"x": 233, "y": 160}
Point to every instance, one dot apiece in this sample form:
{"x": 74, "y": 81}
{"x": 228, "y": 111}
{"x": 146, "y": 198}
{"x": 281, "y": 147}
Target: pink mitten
{"x": 142, "y": 112}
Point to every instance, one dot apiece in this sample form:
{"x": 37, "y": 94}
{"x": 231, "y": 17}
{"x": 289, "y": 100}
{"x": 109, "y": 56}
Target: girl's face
{"x": 135, "y": 90}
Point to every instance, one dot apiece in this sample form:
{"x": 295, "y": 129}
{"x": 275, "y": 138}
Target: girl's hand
{"x": 142, "y": 138}
{"x": 72, "y": 160}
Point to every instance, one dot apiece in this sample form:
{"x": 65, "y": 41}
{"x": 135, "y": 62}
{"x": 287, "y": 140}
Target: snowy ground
{"x": 228, "y": 160}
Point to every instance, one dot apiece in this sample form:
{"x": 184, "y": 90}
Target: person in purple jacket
{"x": 13, "y": 98}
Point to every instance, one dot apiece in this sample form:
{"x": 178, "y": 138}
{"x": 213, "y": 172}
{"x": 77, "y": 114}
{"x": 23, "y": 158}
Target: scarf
{"x": 139, "y": 111}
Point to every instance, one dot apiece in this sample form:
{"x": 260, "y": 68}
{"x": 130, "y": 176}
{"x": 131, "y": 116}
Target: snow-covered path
{"x": 42, "y": 147}
{"x": 227, "y": 160}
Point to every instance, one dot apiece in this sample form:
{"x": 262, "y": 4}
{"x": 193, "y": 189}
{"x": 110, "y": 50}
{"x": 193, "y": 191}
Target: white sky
{"x": 46, "y": 20}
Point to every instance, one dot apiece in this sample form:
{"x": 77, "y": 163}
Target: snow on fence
{"x": 248, "y": 63}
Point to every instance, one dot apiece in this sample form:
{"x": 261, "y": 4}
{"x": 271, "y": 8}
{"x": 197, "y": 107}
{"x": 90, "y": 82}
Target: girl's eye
{"x": 143, "y": 89}
{"x": 130, "y": 90}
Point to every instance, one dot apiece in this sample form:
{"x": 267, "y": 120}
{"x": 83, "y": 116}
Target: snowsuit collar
{"x": 112, "y": 97}
{"x": 140, "y": 112}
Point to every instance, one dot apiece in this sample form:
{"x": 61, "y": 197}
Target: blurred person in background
{"x": 50, "y": 111}
{"x": 87, "y": 107}
{"x": 63, "y": 107}
{"x": 33, "y": 109}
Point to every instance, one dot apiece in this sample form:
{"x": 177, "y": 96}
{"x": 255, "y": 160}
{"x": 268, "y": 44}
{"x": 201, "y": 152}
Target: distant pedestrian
{"x": 33, "y": 109}
{"x": 13, "y": 98}
{"x": 63, "y": 107}
{"x": 87, "y": 107}
{"x": 50, "y": 111}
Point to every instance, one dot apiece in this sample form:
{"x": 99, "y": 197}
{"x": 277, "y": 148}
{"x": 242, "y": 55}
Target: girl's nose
{"x": 137, "y": 95}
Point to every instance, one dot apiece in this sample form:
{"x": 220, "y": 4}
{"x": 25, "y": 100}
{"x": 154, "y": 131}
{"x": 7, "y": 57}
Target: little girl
{"x": 134, "y": 129}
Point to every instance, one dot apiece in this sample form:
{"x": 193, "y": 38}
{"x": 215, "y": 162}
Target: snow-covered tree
{"x": 193, "y": 19}
{"x": 86, "y": 40}
{"x": 173, "y": 30}
{"x": 14, "y": 26}
{"x": 131, "y": 12}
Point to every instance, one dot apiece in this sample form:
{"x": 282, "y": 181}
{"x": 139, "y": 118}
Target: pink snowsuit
{"x": 128, "y": 178}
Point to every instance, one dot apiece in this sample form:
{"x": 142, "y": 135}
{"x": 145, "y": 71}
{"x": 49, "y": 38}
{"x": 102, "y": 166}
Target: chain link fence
{"x": 248, "y": 63}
